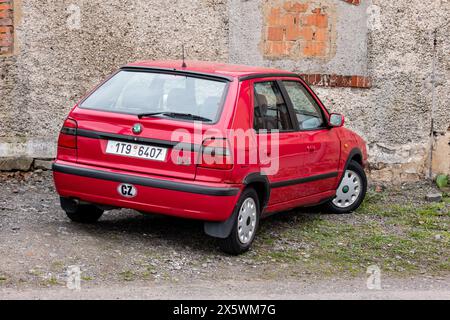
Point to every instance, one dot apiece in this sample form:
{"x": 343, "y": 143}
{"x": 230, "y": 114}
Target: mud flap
{"x": 221, "y": 230}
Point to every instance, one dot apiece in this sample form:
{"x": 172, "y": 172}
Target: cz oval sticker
{"x": 127, "y": 190}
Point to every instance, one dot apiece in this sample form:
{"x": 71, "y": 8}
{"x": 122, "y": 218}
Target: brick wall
{"x": 334, "y": 80}
{"x": 297, "y": 30}
{"x": 6, "y": 27}
{"x": 305, "y": 30}
{"x": 355, "y": 2}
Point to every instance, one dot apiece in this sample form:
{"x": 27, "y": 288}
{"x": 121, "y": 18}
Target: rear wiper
{"x": 146, "y": 115}
{"x": 175, "y": 115}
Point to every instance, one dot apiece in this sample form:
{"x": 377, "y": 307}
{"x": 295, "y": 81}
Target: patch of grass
{"x": 284, "y": 256}
{"x": 58, "y": 265}
{"x": 3, "y": 278}
{"x": 127, "y": 275}
{"x": 51, "y": 282}
{"x": 87, "y": 278}
{"x": 397, "y": 238}
{"x": 148, "y": 272}
{"x": 372, "y": 201}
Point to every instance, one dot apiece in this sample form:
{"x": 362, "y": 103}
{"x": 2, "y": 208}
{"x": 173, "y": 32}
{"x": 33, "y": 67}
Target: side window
{"x": 309, "y": 113}
{"x": 271, "y": 111}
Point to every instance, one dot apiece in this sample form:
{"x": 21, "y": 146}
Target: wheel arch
{"x": 354, "y": 155}
{"x": 261, "y": 185}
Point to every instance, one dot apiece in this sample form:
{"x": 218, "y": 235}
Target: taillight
{"x": 68, "y": 135}
{"x": 216, "y": 154}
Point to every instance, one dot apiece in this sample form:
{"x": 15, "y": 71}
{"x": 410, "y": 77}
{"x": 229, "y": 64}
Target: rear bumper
{"x": 202, "y": 201}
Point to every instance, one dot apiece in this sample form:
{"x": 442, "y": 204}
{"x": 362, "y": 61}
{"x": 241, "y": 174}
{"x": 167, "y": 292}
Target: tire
{"x": 237, "y": 242}
{"x": 86, "y": 214}
{"x": 351, "y": 192}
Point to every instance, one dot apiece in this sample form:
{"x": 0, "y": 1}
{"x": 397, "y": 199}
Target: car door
{"x": 318, "y": 144}
{"x": 277, "y": 137}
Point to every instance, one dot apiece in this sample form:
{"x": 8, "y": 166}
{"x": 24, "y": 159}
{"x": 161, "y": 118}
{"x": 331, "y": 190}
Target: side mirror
{"x": 336, "y": 120}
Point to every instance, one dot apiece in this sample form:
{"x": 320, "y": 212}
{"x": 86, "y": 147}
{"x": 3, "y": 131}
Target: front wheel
{"x": 351, "y": 191}
{"x": 245, "y": 226}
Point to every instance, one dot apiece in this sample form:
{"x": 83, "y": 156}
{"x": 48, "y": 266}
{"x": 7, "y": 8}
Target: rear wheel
{"x": 351, "y": 191}
{"x": 81, "y": 213}
{"x": 245, "y": 226}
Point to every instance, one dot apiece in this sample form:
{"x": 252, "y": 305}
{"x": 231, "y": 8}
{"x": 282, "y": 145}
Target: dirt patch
{"x": 396, "y": 230}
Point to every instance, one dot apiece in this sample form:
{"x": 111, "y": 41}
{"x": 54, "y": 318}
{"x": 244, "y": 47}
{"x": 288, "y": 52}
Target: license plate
{"x": 136, "y": 151}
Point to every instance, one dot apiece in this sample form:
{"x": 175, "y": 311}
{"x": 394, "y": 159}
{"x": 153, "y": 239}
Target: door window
{"x": 271, "y": 111}
{"x": 308, "y": 112}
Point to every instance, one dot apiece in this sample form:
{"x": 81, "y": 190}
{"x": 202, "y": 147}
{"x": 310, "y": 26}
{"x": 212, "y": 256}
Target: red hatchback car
{"x": 220, "y": 143}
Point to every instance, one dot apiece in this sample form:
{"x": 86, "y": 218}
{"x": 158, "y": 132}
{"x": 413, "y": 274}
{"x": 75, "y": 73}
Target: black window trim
{"x": 197, "y": 75}
{"x": 315, "y": 98}
{"x": 294, "y": 123}
{"x": 257, "y": 76}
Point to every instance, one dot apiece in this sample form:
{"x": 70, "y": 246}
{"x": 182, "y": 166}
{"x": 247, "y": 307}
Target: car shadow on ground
{"x": 176, "y": 233}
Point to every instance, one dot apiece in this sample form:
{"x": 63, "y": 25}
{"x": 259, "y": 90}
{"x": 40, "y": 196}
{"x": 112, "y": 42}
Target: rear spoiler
{"x": 194, "y": 74}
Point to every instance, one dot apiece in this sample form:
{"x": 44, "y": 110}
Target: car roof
{"x": 212, "y": 68}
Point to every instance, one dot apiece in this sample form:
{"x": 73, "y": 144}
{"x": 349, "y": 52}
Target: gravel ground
{"x": 126, "y": 253}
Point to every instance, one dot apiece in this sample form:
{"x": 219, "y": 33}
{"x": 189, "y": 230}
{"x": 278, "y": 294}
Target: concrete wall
{"x": 56, "y": 61}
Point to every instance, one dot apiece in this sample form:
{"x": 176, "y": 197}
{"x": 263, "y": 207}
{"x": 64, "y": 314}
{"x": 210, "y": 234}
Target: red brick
{"x": 326, "y": 80}
{"x": 292, "y": 33}
{"x": 5, "y": 14}
{"x": 4, "y": 36}
{"x": 5, "y": 43}
{"x": 321, "y": 34}
{"x": 5, "y": 29}
{"x": 314, "y": 49}
{"x": 289, "y": 19}
{"x": 5, "y": 6}
{"x": 295, "y": 7}
{"x": 355, "y": 2}
{"x": 275, "y": 33}
{"x": 274, "y": 18}
{"x": 6, "y": 22}
{"x": 307, "y": 33}
{"x": 278, "y": 48}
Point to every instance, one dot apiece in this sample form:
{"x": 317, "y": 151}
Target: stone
{"x": 434, "y": 197}
{"x": 12, "y": 164}
{"x": 45, "y": 165}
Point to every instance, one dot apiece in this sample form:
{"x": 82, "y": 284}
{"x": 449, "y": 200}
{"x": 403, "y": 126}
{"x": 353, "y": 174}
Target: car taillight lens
{"x": 68, "y": 135}
{"x": 216, "y": 154}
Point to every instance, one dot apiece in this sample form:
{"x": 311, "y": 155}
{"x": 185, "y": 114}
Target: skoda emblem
{"x": 137, "y": 128}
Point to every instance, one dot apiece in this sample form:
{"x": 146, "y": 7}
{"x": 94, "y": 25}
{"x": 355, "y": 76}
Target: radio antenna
{"x": 184, "y": 62}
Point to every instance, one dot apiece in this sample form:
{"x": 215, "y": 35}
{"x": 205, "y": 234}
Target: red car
{"x": 225, "y": 144}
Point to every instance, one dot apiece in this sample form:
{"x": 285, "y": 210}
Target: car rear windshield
{"x": 145, "y": 93}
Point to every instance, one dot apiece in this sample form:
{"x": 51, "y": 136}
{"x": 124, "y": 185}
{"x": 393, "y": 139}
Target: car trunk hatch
{"x": 107, "y": 140}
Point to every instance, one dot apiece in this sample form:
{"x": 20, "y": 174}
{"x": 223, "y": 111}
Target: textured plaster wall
{"x": 54, "y": 65}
